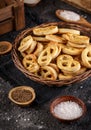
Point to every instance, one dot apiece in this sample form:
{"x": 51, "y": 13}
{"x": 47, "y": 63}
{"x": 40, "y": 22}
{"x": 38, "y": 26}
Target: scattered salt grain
{"x": 69, "y": 15}
{"x": 81, "y": 86}
{"x": 68, "y": 110}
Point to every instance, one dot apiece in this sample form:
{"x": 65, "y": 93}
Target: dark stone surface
{"x": 37, "y": 116}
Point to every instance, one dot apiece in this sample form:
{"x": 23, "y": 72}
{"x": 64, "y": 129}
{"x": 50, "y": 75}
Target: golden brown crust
{"x": 86, "y": 57}
{"x": 46, "y": 30}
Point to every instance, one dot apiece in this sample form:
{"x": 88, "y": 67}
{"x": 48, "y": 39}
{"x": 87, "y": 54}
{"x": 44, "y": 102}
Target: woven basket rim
{"x": 57, "y": 83}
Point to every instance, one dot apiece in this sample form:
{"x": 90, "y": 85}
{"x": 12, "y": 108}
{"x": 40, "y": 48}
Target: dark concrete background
{"x": 37, "y": 116}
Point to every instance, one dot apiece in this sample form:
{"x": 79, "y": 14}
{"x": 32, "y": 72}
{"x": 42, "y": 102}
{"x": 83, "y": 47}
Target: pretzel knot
{"x": 29, "y": 62}
{"x": 25, "y": 43}
{"x": 86, "y": 57}
{"x": 48, "y": 73}
{"x": 66, "y": 62}
{"x": 47, "y": 55}
{"x": 71, "y": 50}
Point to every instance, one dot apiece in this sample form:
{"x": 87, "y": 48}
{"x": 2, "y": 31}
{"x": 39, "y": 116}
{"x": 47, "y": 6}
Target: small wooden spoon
{"x": 70, "y": 16}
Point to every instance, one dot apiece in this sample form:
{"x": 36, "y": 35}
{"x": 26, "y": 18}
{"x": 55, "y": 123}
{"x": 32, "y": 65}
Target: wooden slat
{"x": 2, "y": 4}
{"x": 9, "y": 2}
{"x": 6, "y": 26}
{"x": 19, "y": 16}
{"x": 6, "y": 13}
{"x": 14, "y": 9}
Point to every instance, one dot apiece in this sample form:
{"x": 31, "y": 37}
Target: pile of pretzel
{"x": 54, "y": 53}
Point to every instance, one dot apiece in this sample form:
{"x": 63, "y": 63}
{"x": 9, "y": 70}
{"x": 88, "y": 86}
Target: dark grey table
{"x": 37, "y": 116}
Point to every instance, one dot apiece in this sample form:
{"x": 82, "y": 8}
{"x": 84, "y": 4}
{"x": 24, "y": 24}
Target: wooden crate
{"x": 11, "y": 15}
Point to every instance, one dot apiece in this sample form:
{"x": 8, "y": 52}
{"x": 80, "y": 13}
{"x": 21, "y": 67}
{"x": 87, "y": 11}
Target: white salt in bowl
{"x": 67, "y": 108}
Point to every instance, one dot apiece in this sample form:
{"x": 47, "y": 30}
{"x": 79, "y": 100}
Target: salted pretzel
{"x": 66, "y": 62}
{"x": 25, "y": 43}
{"x": 71, "y": 50}
{"x": 40, "y": 31}
{"x": 86, "y": 56}
{"x": 30, "y": 63}
{"x": 38, "y": 49}
{"x": 48, "y": 73}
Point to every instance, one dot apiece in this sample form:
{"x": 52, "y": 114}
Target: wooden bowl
{"x": 67, "y": 100}
{"x": 5, "y": 47}
{"x": 22, "y": 95}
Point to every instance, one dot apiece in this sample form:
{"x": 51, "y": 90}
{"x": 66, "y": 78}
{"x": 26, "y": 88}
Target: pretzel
{"x": 66, "y": 62}
{"x": 53, "y": 50}
{"x": 59, "y": 46}
{"x": 71, "y": 50}
{"x": 23, "y": 54}
{"x": 25, "y": 43}
{"x": 64, "y": 77}
{"x": 76, "y": 45}
{"x": 29, "y": 62}
{"x": 86, "y": 56}
{"x": 44, "y": 57}
{"x": 55, "y": 38}
{"x": 80, "y": 71}
{"x": 39, "y": 49}
{"x": 48, "y": 73}
{"x": 47, "y": 55}
{"x": 31, "y": 47}
{"x": 77, "y": 39}
{"x": 67, "y": 30}
{"x": 54, "y": 66}
{"x": 40, "y": 31}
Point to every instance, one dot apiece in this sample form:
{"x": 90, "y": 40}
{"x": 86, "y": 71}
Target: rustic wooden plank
{"x": 9, "y": 2}
{"x": 19, "y": 16}
{"x": 6, "y": 26}
{"x": 2, "y": 4}
{"x": 14, "y": 9}
{"x": 6, "y": 13}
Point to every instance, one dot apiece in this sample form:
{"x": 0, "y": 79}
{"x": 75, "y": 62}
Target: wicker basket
{"x": 17, "y": 58}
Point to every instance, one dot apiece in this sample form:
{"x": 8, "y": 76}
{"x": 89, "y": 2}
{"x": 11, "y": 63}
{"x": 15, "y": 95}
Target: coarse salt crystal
{"x": 69, "y": 15}
{"x": 68, "y": 110}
